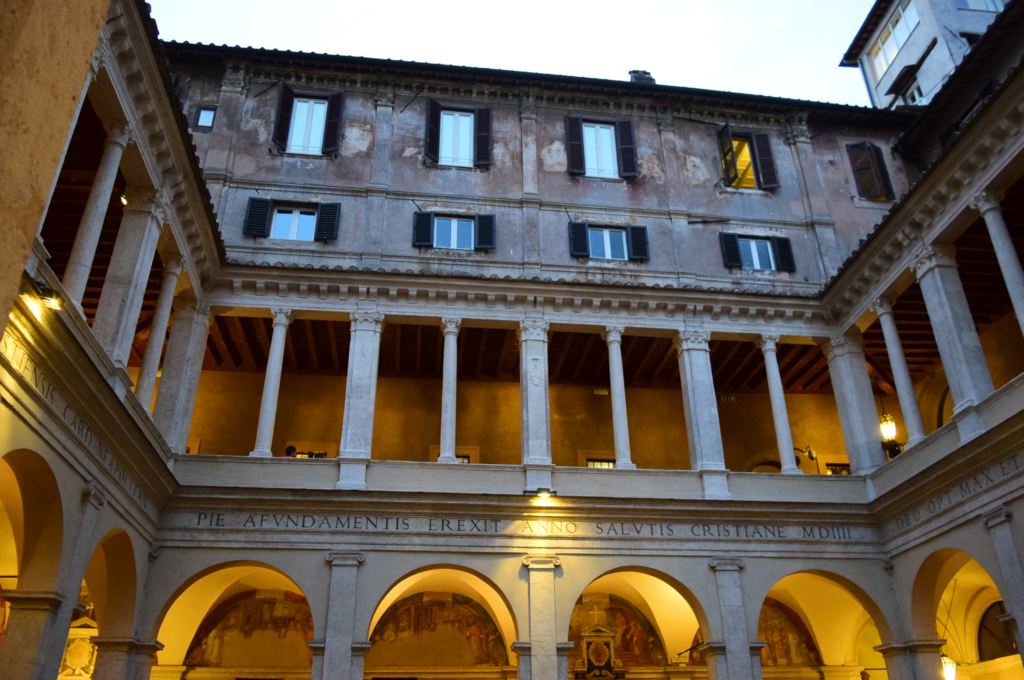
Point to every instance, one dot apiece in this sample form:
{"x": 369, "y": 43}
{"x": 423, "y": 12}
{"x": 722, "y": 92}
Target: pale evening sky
{"x": 786, "y": 48}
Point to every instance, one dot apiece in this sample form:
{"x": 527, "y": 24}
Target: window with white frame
{"x": 295, "y": 224}
{"x": 608, "y": 244}
{"x": 914, "y": 95}
{"x": 454, "y": 233}
{"x": 204, "y": 118}
{"x": 599, "y": 150}
{"x": 756, "y": 253}
{"x": 986, "y": 5}
{"x": 456, "y": 138}
{"x": 894, "y": 35}
{"x": 306, "y": 134}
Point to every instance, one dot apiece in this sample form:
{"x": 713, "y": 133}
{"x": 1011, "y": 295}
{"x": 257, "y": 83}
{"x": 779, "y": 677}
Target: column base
{"x": 625, "y": 465}
{"x": 261, "y": 453}
{"x": 352, "y": 475}
{"x": 716, "y": 485}
{"x": 792, "y": 471}
{"x": 969, "y": 424}
{"x": 447, "y": 459}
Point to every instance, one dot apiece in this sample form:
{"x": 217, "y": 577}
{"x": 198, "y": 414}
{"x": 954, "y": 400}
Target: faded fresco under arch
{"x": 637, "y": 642}
{"x": 789, "y": 642}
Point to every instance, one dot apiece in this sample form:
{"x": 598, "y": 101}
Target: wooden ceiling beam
{"x": 561, "y": 359}
{"x": 314, "y": 359}
{"x": 334, "y": 346}
{"x": 583, "y": 356}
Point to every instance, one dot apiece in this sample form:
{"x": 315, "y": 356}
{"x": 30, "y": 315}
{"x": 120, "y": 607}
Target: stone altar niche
{"x": 597, "y": 649}
{"x": 789, "y": 642}
{"x": 634, "y": 643}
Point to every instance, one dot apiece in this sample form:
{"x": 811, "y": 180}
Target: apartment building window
{"x": 454, "y": 232}
{"x": 600, "y": 148}
{"x": 308, "y": 123}
{"x": 773, "y": 253}
{"x": 914, "y": 94}
{"x": 309, "y": 222}
{"x": 608, "y": 242}
{"x": 747, "y": 160}
{"x": 205, "y": 116}
{"x": 601, "y": 464}
{"x": 986, "y": 5}
{"x": 458, "y": 137}
{"x": 870, "y": 174}
{"x": 894, "y": 35}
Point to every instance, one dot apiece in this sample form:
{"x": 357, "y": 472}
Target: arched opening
{"x": 639, "y": 618}
{"x": 813, "y": 619}
{"x": 242, "y": 619}
{"x": 442, "y": 617}
{"x": 955, "y": 599}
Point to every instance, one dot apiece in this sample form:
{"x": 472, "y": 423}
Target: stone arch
{"x": 184, "y": 611}
{"x": 33, "y": 520}
{"x": 112, "y": 582}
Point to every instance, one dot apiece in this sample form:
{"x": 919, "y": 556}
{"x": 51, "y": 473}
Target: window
{"x": 316, "y": 222}
{"x": 600, "y": 148}
{"x": 462, "y": 459}
{"x": 987, "y": 5}
{"x": 773, "y": 253}
{"x": 602, "y": 464}
{"x": 308, "y": 124}
{"x": 458, "y": 137}
{"x": 294, "y": 224}
{"x": 747, "y": 160}
{"x": 756, "y": 253}
{"x": 454, "y": 233}
{"x": 894, "y": 35}
{"x": 995, "y": 637}
{"x": 914, "y": 95}
{"x": 307, "y": 132}
{"x": 837, "y": 469}
{"x": 608, "y": 243}
{"x": 204, "y": 116}
{"x": 870, "y": 175}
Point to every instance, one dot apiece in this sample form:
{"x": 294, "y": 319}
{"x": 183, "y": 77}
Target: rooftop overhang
{"x": 860, "y": 42}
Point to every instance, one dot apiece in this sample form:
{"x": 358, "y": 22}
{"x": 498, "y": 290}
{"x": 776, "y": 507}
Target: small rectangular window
{"x": 599, "y": 150}
{"x": 294, "y": 224}
{"x": 756, "y": 254}
{"x": 204, "y": 118}
{"x": 914, "y": 95}
{"x": 306, "y": 134}
{"x": 608, "y": 244}
{"x": 986, "y": 5}
{"x": 599, "y": 463}
{"x": 456, "y": 138}
{"x": 453, "y": 233}
{"x": 462, "y": 459}
{"x": 837, "y": 469}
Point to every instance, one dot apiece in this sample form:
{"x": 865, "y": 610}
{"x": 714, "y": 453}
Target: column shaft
{"x": 780, "y": 414}
{"x": 620, "y": 421}
{"x": 29, "y": 651}
{"x": 900, "y": 373}
{"x": 179, "y": 384}
{"x": 272, "y": 385}
{"x": 1008, "y": 555}
{"x": 76, "y": 275}
{"x": 734, "y": 620}
{"x": 858, "y": 415}
{"x": 536, "y": 409}
{"x": 448, "y": 389}
{"x": 341, "y": 610}
{"x": 543, "y": 636}
{"x": 360, "y": 399}
{"x": 1006, "y": 253}
{"x": 146, "y": 382}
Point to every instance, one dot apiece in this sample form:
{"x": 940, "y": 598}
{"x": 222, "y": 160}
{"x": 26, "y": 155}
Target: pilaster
{"x": 536, "y": 410}
{"x": 700, "y": 408}
{"x": 734, "y": 620}
{"x": 341, "y": 609}
{"x": 360, "y": 399}
{"x": 540, "y": 571}
{"x": 998, "y": 523}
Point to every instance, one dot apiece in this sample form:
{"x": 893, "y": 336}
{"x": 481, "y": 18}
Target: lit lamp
{"x": 948, "y": 668}
{"x": 46, "y": 295}
{"x": 889, "y": 444}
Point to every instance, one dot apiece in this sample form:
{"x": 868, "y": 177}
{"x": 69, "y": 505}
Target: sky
{"x": 784, "y": 48}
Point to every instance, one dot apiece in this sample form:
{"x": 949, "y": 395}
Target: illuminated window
{"x": 837, "y": 469}
{"x": 995, "y": 638}
{"x": 894, "y": 35}
{"x": 456, "y": 138}
{"x": 462, "y": 459}
{"x": 598, "y": 463}
{"x": 306, "y": 134}
{"x": 747, "y": 160}
{"x": 294, "y": 224}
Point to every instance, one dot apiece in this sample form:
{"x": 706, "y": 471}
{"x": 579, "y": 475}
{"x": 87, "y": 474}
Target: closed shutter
{"x": 486, "y": 233}
{"x": 432, "y": 148}
{"x": 574, "y": 145}
{"x": 862, "y": 160}
{"x": 766, "y": 172}
{"x": 332, "y": 125}
{"x": 285, "y": 104}
{"x": 731, "y": 250}
{"x": 784, "y": 261}
{"x": 423, "y": 229}
{"x": 257, "y": 217}
{"x": 639, "y": 248}
{"x": 579, "y": 239}
{"x": 482, "y": 150}
{"x": 627, "y": 148}
{"x": 728, "y": 153}
{"x": 327, "y": 219}
{"x": 881, "y": 172}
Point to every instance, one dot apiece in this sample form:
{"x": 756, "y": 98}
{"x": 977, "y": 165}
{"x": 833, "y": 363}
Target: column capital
{"x": 767, "y": 343}
{"x": 895, "y": 648}
{"x": 120, "y": 135}
{"x": 711, "y": 648}
{"x": 930, "y": 257}
{"x": 360, "y": 648}
{"x": 384, "y": 97}
{"x": 691, "y": 339}
{"x": 542, "y": 562}
{"x": 38, "y": 600}
{"x": 114, "y": 644}
{"x": 282, "y": 316}
{"x": 345, "y": 559}
{"x": 881, "y": 306}
{"x": 996, "y": 516}
{"x": 143, "y": 200}
{"x": 666, "y": 121}
{"x": 316, "y": 647}
{"x": 148, "y": 647}
{"x": 173, "y": 266}
{"x": 987, "y": 200}
{"x": 92, "y": 495}
{"x": 521, "y": 648}
{"x": 366, "y": 320}
{"x": 613, "y": 334}
{"x": 533, "y": 329}
{"x": 528, "y": 105}
{"x": 840, "y": 345}
{"x": 726, "y": 564}
{"x": 450, "y": 325}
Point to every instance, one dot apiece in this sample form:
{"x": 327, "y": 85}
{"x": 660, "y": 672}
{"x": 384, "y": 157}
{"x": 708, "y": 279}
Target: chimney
{"x": 638, "y": 76}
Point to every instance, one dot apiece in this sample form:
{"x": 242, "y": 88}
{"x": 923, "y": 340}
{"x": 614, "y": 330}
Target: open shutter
{"x": 285, "y": 104}
{"x": 731, "y": 250}
{"x": 728, "y": 153}
{"x": 784, "y": 261}
{"x": 332, "y": 125}
{"x": 486, "y": 234}
{"x": 626, "y": 142}
{"x": 482, "y": 151}
{"x": 257, "y": 217}
{"x": 579, "y": 239}
{"x": 432, "y": 149}
{"x": 881, "y": 173}
{"x": 636, "y": 238}
{"x": 869, "y": 184}
{"x": 574, "y": 145}
{"x": 423, "y": 229}
{"x": 766, "y": 172}
{"x": 327, "y": 219}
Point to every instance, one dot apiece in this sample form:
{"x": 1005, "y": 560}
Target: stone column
{"x": 536, "y": 409}
{"x": 341, "y": 610}
{"x": 146, "y": 382}
{"x": 143, "y": 658}
{"x": 913, "y": 660}
{"x": 113, "y": 657}
{"x": 780, "y": 415}
{"x": 179, "y": 384}
{"x": 956, "y": 335}
{"x": 271, "y": 385}
{"x": 543, "y": 636}
{"x": 125, "y": 284}
{"x": 76, "y": 275}
{"x": 700, "y": 408}
{"x": 562, "y": 652}
{"x": 1007, "y": 553}
{"x": 316, "y": 648}
{"x": 856, "y": 402}
{"x": 900, "y": 373}
{"x": 714, "y": 655}
{"x": 620, "y": 423}
{"x": 360, "y": 399}
{"x": 734, "y": 620}
{"x": 359, "y": 650}
{"x": 522, "y": 652}
{"x": 987, "y": 204}
{"x": 450, "y": 328}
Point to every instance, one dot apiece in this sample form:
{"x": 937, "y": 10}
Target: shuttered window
{"x": 747, "y": 160}
{"x": 608, "y": 243}
{"x": 308, "y": 124}
{"x": 600, "y": 149}
{"x": 870, "y": 174}
{"x": 774, "y": 253}
{"x": 316, "y": 222}
{"x": 460, "y": 137}
{"x": 454, "y": 232}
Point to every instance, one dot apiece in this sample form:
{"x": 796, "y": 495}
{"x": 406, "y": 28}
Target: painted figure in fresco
{"x": 636, "y": 641}
{"x": 474, "y": 630}
{"x": 635, "y": 638}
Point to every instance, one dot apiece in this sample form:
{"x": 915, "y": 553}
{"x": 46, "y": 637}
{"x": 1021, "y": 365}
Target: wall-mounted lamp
{"x": 124, "y": 200}
{"x": 887, "y": 425}
{"x": 544, "y": 493}
{"x": 46, "y": 295}
{"x": 948, "y": 668}
{"x": 811, "y": 455}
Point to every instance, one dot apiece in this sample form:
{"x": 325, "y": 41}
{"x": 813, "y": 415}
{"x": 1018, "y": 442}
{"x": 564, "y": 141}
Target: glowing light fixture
{"x": 948, "y": 668}
{"x": 124, "y": 200}
{"x": 544, "y": 493}
{"x": 44, "y": 297}
{"x": 887, "y": 424}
